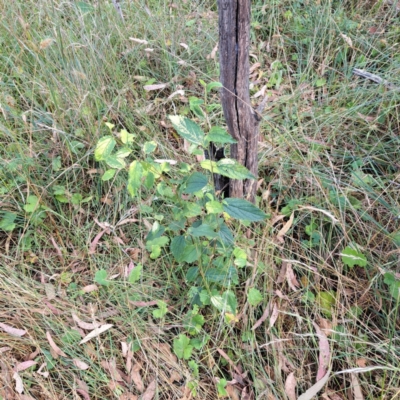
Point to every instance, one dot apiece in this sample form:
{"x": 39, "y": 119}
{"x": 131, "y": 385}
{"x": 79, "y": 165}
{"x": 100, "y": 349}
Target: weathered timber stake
{"x": 242, "y": 120}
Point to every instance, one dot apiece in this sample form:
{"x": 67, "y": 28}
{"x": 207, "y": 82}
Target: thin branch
{"x": 374, "y": 78}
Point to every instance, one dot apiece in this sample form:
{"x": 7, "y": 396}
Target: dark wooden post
{"x": 242, "y": 120}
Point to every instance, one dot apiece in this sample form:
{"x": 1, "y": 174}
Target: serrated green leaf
{"x": 213, "y": 85}
{"x": 101, "y": 277}
{"x": 254, "y": 297}
{"x": 109, "y": 174}
{"x": 221, "y": 385}
{"x": 104, "y": 147}
{"x": 196, "y": 182}
{"x": 194, "y": 104}
{"x": 351, "y": 257}
{"x": 32, "y": 203}
{"x": 214, "y": 207}
{"x": 182, "y": 347}
{"x": 115, "y": 162}
{"x": 243, "y": 210}
{"x": 219, "y": 135}
{"x": 56, "y": 163}
{"x": 191, "y": 253}
{"x": 326, "y": 301}
{"x": 161, "y": 310}
{"x": 134, "y": 275}
{"x": 123, "y": 152}
{"x": 178, "y": 245}
{"x": 191, "y": 210}
{"x": 134, "y": 178}
{"x": 232, "y": 169}
{"x": 126, "y": 137}
{"x": 149, "y": 147}
{"x": 202, "y": 230}
{"x": 188, "y": 129}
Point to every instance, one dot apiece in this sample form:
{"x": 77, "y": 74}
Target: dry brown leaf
{"x": 231, "y": 363}
{"x": 53, "y": 345}
{"x": 314, "y": 389}
{"x": 44, "y": 44}
{"x": 285, "y": 229}
{"x": 90, "y": 288}
{"x": 157, "y": 86}
{"x": 19, "y": 386}
{"x": 291, "y": 278}
{"x": 213, "y": 53}
{"x": 347, "y": 40}
{"x": 80, "y": 364}
{"x": 143, "y": 303}
{"x": 136, "y": 377}
{"x": 58, "y": 250}
{"x": 282, "y": 273}
{"x": 12, "y": 331}
{"x": 263, "y": 317}
{"x": 140, "y": 41}
{"x": 326, "y": 326}
{"x": 150, "y": 391}
{"x": 128, "y": 396}
{"x": 274, "y": 316}
{"x": 92, "y": 248}
{"x": 24, "y": 365}
{"x": 324, "y": 353}
{"x": 85, "y": 325}
{"x": 4, "y": 349}
{"x": 175, "y": 377}
{"x": 83, "y": 393}
{"x": 45, "y": 373}
{"x": 355, "y": 385}
{"x": 290, "y": 386}
{"x": 361, "y": 362}
{"x": 180, "y": 92}
{"x": 111, "y": 367}
{"x": 96, "y": 332}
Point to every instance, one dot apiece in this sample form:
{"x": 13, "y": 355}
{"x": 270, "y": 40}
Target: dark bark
{"x": 242, "y": 120}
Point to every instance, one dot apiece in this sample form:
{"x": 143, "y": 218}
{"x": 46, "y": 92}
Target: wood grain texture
{"x": 241, "y": 119}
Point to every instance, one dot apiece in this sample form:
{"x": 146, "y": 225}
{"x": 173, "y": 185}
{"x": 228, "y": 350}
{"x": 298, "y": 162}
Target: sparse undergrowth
{"x": 312, "y": 292}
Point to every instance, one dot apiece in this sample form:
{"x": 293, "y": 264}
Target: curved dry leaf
{"x": 355, "y": 385}
{"x": 290, "y": 386}
{"x": 92, "y": 248}
{"x": 274, "y": 316}
{"x": 291, "y": 278}
{"x": 12, "y": 331}
{"x": 150, "y": 391}
{"x": 45, "y": 373}
{"x": 140, "y": 41}
{"x": 83, "y": 393}
{"x": 180, "y": 92}
{"x": 324, "y": 353}
{"x": 263, "y": 318}
{"x": 19, "y": 386}
{"x": 314, "y": 389}
{"x": 157, "y": 86}
{"x": 80, "y": 364}
{"x": 44, "y": 44}
{"x": 96, "y": 332}
{"x": 327, "y": 213}
{"x": 84, "y": 325}
{"x": 136, "y": 377}
{"x": 90, "y": 288}
{"x": 285, "y": 229}
{"x": 56, "y": 349}
{"x": 24, "y": 365}
{"x": 4, "y": 349}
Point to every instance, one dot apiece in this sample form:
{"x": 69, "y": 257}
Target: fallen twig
{"x": 374, "y": 78}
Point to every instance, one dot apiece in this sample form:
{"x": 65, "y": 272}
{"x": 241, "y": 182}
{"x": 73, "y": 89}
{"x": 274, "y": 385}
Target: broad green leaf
{"x": 178, "y": 245}
{"x": 219, "y": 135}
{"x": 192, "y": 274}
{"x": 209, "y": 165}
{"x": 159, "y": 241}
{"x": 194, "y": 104}
{"x": 155, "y": 251}
{"x": 351, "y": 257}
{"x": 254, "y": 297}
{"x": 76, "y": 198}
{"x": 134, "y": 275}
{"x": 104, "y": 147}
{"x": 212, "y": 85}
{"x": 115, "y": 162}
{"x": 191, "y": 253}
{"x": 32, "y": 203}
{"x": 101, "y": 277}
{"x": 226, "y": 235}
{"x": 126, "y": 137}
{"x": 202, "y": 230}
{"x": 195, "y": 182}
{"x": 326, "y": 301}
{"x": 123, "y": 152}
{"x": 135, "y": 178}
{"x": 223, "y": 276}
{"x": 240, "y": 257}
{"x": 221, "y": 385}
{"x": 214, "y": 207}
{"x": 56, "y": 163}
{"x": 243, "y": 210}
{"x": 161, "y": 310}
{"x": 109, "y": 174}
{"x": 226, "y": 303}
{"x": 188, "y": 129}
{"x": 149, "y": 147}
{"x": 191, "y": 210}
{"x": 182, "y": 347}
{"x": 232, "y": 169}
{"x": 7, "y": 221}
